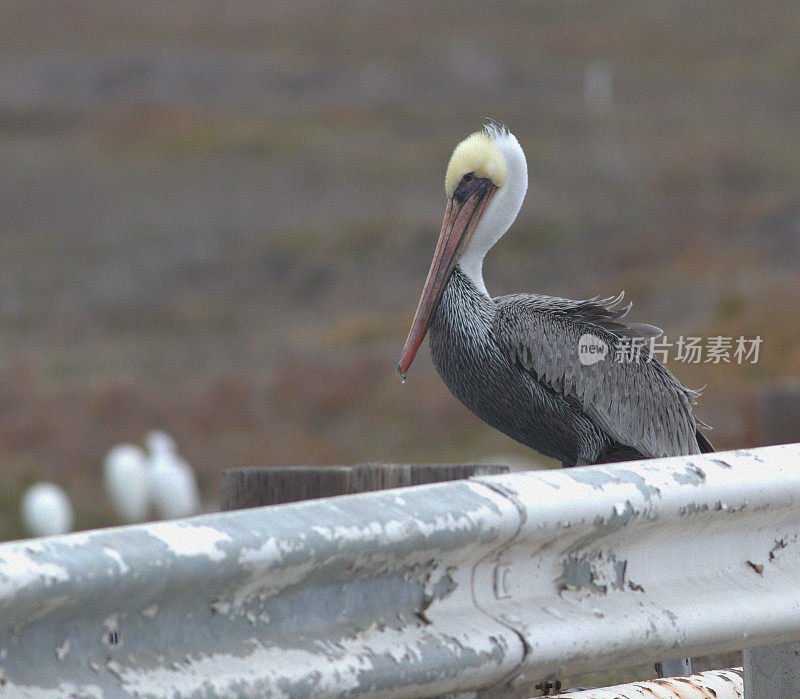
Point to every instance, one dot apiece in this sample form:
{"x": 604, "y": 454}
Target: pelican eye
{"x": 469, "y": 177}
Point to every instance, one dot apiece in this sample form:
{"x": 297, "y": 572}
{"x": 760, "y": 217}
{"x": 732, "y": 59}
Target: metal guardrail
{"x": 416, "y": 591}
{"x": 715, "y": 684}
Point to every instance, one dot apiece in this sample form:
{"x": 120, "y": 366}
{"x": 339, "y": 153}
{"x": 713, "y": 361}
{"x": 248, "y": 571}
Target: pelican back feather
{"x": 628, "y": 392}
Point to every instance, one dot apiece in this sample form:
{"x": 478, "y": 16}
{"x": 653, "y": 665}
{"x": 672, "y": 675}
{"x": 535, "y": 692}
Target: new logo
{"x": 591, "y": 349}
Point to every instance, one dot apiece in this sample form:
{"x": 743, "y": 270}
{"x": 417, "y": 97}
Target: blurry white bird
{"x": 159, "y": 442}
{"x": 171, "y": 483}
{"x": 46, "y": 510}
{"x": 125, "y": 478}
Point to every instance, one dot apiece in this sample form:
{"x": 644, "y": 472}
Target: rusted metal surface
{"x": 417, "y": 591}
{"x": 715, "y": 684}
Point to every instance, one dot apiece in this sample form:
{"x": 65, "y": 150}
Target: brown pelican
{"x": 514, "y": 360}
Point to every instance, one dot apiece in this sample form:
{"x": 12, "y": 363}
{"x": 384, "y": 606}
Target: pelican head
{"x": 485, "y": 184}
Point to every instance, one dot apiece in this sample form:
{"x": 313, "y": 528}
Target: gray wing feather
{"x": 638, "y": 403}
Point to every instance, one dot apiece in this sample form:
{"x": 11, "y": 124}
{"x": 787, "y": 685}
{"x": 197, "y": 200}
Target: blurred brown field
{"x": 216, "y": 219}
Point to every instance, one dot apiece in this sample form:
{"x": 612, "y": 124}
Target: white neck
{"x": 500, "y": 212}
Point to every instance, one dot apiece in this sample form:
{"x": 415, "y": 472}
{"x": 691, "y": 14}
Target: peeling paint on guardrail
{"x": 416, "y": 591}
{"x": 623, "y": 564}
{"x": 336, "y": 596}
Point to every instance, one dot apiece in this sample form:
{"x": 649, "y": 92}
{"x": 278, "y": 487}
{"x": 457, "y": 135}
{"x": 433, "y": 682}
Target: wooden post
{"x": 778, "y": 412}
{"x": 271, "y": 485}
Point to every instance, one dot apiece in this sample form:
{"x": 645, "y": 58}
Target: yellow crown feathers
{"x": 479, "y": 154}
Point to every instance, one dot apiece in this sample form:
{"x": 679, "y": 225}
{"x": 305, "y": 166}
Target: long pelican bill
{"x": 460, "y": 220}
